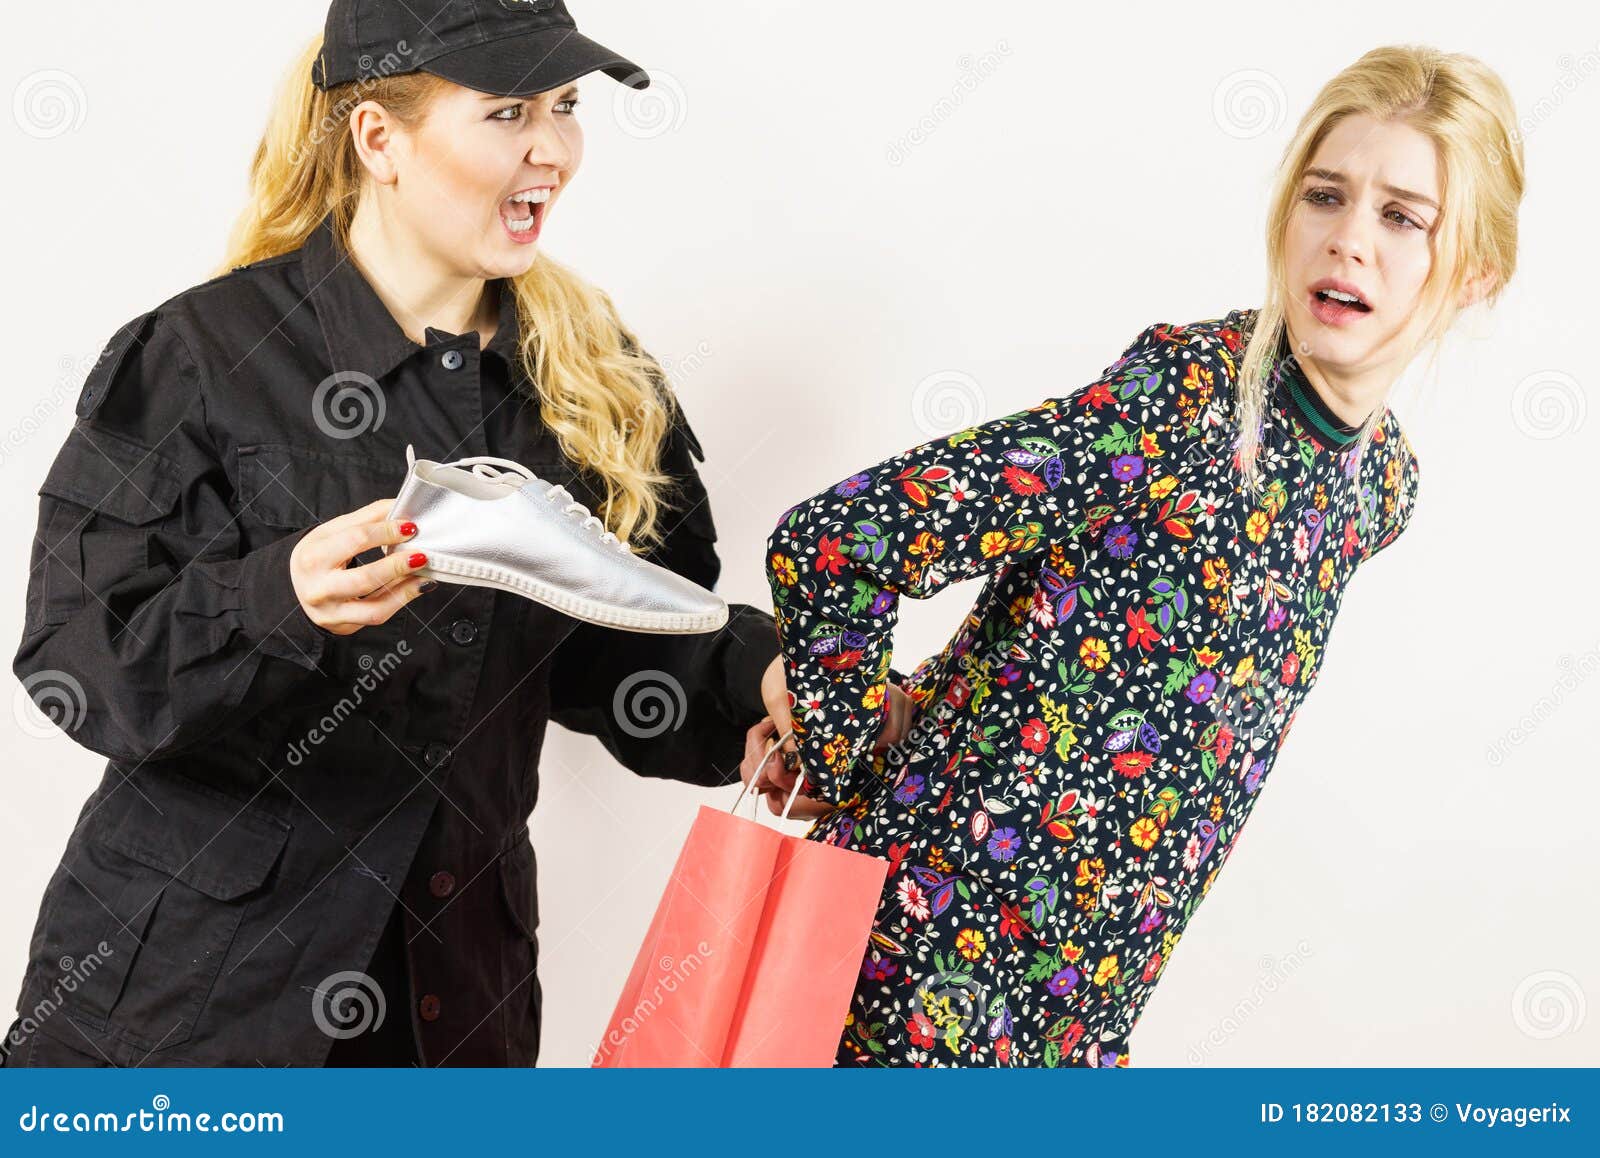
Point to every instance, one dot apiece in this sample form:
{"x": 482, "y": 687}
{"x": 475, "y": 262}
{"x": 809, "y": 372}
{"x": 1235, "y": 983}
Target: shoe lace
{"x": 487, "y": 466}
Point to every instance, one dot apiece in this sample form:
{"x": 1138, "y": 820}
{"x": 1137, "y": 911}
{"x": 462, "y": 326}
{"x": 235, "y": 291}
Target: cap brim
{"x": 534, "y": 63}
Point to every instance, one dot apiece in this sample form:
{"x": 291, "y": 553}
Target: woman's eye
{"x": 500, "y": 114}
{"x": 1324, "y": 197}
{"x": 567, "y": 107}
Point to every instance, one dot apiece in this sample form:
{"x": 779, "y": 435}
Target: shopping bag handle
{"x": 756, "y": 776}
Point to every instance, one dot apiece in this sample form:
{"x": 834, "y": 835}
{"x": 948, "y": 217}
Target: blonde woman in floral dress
{"x": 1163, "y": 553}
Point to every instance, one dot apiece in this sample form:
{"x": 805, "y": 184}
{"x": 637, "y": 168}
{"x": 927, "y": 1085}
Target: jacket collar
{"x": 360, "y": 332}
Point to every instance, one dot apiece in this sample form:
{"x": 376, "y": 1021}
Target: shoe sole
{"x": 603, "y": 615}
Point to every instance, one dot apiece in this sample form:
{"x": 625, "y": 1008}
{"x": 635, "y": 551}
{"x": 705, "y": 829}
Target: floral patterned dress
{"x": 1086, "y": 748}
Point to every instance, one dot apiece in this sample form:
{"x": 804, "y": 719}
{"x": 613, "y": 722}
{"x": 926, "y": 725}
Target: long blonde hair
{"x": 1464, "y": 108}
{"x": 606, "y": 401}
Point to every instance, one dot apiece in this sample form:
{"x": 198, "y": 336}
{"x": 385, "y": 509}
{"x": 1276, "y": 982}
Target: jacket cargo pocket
{"x": 181, "y": 861}
{"x": 96, "y": 911}
{"x": 95, "y": 507}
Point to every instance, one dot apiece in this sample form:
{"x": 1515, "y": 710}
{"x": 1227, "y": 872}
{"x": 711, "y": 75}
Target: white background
{"x": 818, "y": 207}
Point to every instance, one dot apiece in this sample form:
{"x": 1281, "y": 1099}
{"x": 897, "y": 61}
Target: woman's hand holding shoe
{"x": 343, "y": 600}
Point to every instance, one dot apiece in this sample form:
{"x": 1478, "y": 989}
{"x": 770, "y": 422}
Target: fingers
{"x": 352, "y": 615}
{"x": 380, "y": 606}
{"x": 897, "y": 722}
{"x": 335, "y": 542}
{"x": 374, "y": 513}
{"x": 777, "y": 781}
{"x": 755, "y": 743}
{"x": 766, "y": 769}
{"x": 900, "y": 710}
{"x": 776, "y": 777}
{"x": 775, "y": 695}
{"x": 361, "y": 582}
{"x": 347, "y": 536}
{"x": 787, "y": 756}
{"x": 804, "y": 808}
{"x": 782, "y": 767}
{"x": 338, "y": 597}
{"x": 772, "y": 777}
{"x": 780, "y": 786}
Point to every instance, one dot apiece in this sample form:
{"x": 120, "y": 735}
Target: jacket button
{"x": 463, "y": 631}
{"x": 451, "y": 360}
{"x": 429, "y": 1007}
{"x": 442, "y": 884}
{"x": 436, "y": 753}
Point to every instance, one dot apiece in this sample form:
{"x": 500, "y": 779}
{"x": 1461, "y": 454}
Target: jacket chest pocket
{"x": 287, "y": 488}
{"x": 283, "y": 488}
{"x": 147, "y": 903}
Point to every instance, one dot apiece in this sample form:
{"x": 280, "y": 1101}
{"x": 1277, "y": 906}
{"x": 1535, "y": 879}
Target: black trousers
{"x": 393, "y": 1043}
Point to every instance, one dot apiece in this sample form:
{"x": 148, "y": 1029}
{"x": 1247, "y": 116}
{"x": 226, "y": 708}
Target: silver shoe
{"x": 499, "y": 525}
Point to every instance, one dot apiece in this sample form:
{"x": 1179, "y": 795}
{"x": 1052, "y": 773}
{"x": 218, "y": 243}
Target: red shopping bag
{"x": 753, "y": 952}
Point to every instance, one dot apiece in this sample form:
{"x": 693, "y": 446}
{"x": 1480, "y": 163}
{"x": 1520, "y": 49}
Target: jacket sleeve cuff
{"x": 274, "y": 620}
{"x": 749, "y": 662}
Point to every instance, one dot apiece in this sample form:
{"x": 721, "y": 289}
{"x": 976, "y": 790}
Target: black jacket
{"x": 273, "y": 789}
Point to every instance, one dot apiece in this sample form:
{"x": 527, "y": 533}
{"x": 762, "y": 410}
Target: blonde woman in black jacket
{"x": 310, "y": 843}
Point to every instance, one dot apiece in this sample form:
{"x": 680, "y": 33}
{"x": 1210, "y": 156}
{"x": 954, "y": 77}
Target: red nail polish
{"x": 408, "y": 529}
{"x": 417, "y": 559}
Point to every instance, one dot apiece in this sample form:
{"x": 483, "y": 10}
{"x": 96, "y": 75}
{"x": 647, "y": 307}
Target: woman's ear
{"x": 1477, "y": 288}
{"x": 369, "y": 127}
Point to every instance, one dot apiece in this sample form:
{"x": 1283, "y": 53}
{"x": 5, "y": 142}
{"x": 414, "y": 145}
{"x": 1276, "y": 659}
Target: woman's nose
{"x": 1350, "y": 240}
{"x": 549, "y": 149}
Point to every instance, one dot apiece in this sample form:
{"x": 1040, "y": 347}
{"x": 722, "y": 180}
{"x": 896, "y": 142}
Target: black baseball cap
{"x": 504, "y": 47}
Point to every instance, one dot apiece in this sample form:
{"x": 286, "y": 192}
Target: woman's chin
{"x": 509, "y": 259}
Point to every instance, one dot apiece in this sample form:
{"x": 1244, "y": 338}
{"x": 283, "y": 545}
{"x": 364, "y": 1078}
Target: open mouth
{"x": 524, "y": 211}
{"x": 1341, "y": 299}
